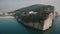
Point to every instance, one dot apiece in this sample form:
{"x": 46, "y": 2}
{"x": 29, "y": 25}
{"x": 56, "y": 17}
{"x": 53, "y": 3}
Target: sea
{"x": 12, "y": 26}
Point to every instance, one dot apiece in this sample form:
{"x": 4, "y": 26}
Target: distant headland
{"x": 6, "y": 15}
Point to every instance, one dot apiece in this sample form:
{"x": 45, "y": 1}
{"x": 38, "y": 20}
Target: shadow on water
{"x": 35, "y": 31}
{"x": 52, "y": 30}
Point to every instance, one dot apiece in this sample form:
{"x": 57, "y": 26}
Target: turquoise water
{"x": 11, "y": 26}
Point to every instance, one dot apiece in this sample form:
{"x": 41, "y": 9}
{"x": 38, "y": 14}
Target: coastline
{"x": 6, "y": 17}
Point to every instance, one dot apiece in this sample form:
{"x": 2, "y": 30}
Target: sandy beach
{"x": 6, "y": 17}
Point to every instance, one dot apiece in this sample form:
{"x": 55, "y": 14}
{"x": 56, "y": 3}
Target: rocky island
{"x": 36, "y": 16}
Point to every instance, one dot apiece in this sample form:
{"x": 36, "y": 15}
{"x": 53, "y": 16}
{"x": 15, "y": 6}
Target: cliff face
{"x": 48, "y": 21}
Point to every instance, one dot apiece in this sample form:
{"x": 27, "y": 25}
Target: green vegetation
{"x": 43, "y": 13}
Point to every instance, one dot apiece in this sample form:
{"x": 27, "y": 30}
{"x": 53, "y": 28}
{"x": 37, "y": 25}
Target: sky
{"x": 11, "y": 5}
